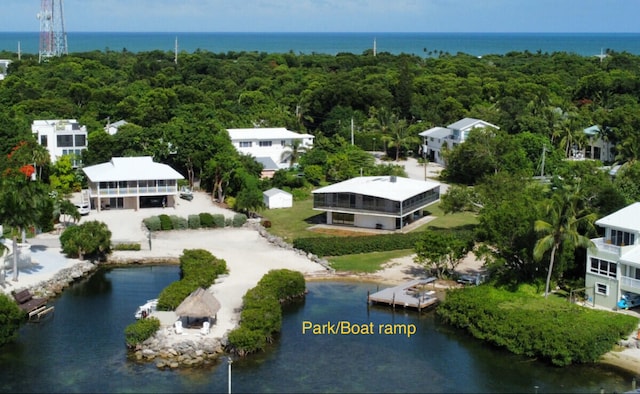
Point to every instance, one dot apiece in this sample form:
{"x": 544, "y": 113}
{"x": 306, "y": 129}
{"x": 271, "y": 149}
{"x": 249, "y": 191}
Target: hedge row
{"x": 198, "y": 268}
{"x": 11, "y": 316}
{"x": 166, "y": 222}
{"x": 549, "y": 329}
{"x": 339, "y": 246}
{"x": 140, "y": 330}
{"x": 261, "y": 315}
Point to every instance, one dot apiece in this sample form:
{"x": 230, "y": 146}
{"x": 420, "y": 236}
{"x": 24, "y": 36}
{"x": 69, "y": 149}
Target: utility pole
{"x": 352, "y": 130}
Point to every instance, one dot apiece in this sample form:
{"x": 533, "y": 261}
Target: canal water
{"x": 80, "y": 349}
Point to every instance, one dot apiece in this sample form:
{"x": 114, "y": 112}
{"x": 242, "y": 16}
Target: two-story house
{"x": 61, "y": 137}
{"x": 269, "y": 146}
{"x": 436, "y": 138}
{"x": 613, "y": 264}
{"x": 376, "y": 202}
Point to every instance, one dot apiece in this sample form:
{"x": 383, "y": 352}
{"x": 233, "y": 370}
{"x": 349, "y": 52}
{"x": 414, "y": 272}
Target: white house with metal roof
{"x": 277, "y": 198}
{"x": 456, "y": 133}
{"x": 613, "y": 263}
{"x": 269, "y": 145}
{"x": 378, "y": 202}
{"x": 132, "y": 183}
{"x": 597, "y": 147}
{"x": 61, "y": 137}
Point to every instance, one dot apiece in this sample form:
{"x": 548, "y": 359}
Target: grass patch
{"x": 366, "y": 262}
{"x": 290, "y": 223}
{"x": 450, "y": 220}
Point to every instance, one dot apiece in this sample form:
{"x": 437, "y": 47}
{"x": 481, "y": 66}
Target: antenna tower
{"x": 53, "y": 38}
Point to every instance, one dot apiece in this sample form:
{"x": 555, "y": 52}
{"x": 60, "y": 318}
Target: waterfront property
{"x": 437, "y": 138}
{"x": 377, "y": 202}
{"x": 271, "y": 147}
{"x": 61, "y": 137}
{"x": 132, "y": 183}
{"x": 613, "y": 264}
{"x": 413, "y": 294}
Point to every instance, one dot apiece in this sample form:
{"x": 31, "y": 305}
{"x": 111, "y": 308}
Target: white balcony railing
{"x": 604, "y": 246}
{"x": 630, "y": 282}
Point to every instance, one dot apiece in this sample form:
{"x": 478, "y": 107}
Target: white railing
{"x": 602, "y": 245}
{"x": 630, "y": 282}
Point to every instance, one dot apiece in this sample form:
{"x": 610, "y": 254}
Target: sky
{"x": 539, "y": 16}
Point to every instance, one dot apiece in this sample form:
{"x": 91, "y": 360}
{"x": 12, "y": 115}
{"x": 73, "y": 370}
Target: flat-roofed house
{"x": 613, "y": 264}
{"x": 378, "y": 202}
{"x": 269, "y": 146}
{"x": 61, "y": 137}
{"x": 132, "y": 183}
{"x": 456, "y": 133}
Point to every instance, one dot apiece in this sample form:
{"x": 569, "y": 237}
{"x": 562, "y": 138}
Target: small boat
{"x": 146, "y": 309}
{"x": 186, "y": 193}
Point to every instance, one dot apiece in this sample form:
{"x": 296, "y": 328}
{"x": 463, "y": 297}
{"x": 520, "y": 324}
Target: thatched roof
{"x": 200, "y": 303}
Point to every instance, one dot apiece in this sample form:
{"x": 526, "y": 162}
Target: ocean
{"x": 420, "y": 44}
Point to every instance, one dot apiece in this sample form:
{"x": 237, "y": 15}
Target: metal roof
{"x": 273, "y": 133}
{"x": 437, "y": 132}
{"x": 466, "y": 123}
{"x": 130, "y": 169}
{"x": 389, "y": 187}
{"x": 267, "y": 163}
{"x": 274, "y": 191}
{"x": 627, "y": 218}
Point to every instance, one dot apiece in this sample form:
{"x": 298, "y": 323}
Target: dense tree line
{"x": 177, "y": 113}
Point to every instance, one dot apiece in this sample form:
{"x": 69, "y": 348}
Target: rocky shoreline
{"x": 188, "y": 353}
{"x": 61, "y": 280}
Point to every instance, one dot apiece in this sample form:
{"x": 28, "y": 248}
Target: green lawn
{"x": 291, "y": 223}
{"x": 366, "y": 262}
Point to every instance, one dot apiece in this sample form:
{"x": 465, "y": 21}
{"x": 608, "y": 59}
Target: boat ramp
{"x": 413, "y": 294}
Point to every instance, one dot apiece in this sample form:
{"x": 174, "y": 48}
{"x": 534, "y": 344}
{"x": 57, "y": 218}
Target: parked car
{"x": 84, "y": 208}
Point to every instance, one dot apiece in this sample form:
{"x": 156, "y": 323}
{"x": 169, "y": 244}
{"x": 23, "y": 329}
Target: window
{"x": 343, "y": 218}
{"x": 43, "y": 140}
{"x": 245, "y": 144}
{"x": 622, "y": 238}
{"x": 264, "y": 144}
{"x": 603, "y": 267}
{"x": 602, "y": 289}
{"x": 80, "y": 140}
{"x": 64, "y": 140}
{"x": 283, "y": 143}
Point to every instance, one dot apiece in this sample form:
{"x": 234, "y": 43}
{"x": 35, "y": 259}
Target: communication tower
{"x": 53, "y": 38}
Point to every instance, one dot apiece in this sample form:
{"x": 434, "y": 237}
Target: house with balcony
{"x": 613, "y": 263}
{"x": 376, "y": 202}
{"x": 269, "y": 146}
{"x": 132, "y": 183}
{"x": 61, "y": 137}
{"x": 436, "y": 139}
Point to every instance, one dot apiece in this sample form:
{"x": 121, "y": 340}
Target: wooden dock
{"x": 413, "y": 294}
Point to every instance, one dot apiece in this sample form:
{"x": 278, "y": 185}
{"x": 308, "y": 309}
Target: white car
{"x": 83, "y": 208}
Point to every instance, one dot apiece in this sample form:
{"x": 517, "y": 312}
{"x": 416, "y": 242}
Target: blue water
{"x": 421, "y": 44}
{"x": 81, "y": 349}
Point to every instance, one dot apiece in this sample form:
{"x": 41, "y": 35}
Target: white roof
{"x": 275, "y": 191}
{"x": 381, "y": 186}
{"x": 627, "y": 218}
{"x": 466, "y": 123}
{"x": 437, "y": 132}
{"x": 130, "y": 169}
{"x": 273, "y": 133}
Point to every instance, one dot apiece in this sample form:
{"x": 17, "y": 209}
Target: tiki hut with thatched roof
{"x": 200, "y": 305}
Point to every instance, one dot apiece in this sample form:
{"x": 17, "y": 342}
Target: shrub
{"x": 549, "y": 329}
{"x": 90, "y": 239}
{"x": 266, "y": 223}
{"x": 179, "y": 223}
{"x": 219, "y": 220}
{"x": 261, "y": 315}
{"x": 152, "y": 223}
{"x": 228, "y": 222}
{"x": 172, "y": 295}
{"x": 246, "y": 341}
{"x": 10, "y": 319}
{"x": 165, "y": 222}
{"x": 127, "y": 246}
{"x": 239, "y": 219}
{"x": 194, "y": 222}
{"x": 141, "y": 330}
{"x": 231, "y": 202}
{"x": 206, "y": 220}
{"x": 300, "y": 194}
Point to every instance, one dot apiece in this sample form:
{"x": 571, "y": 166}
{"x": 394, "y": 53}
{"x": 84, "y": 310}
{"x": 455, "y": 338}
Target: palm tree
{"x": 399, "y": 137}
{"x": 565, "y": 217}
{"x": 293, "y": 151}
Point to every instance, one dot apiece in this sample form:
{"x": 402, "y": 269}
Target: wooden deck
{"x": 413, "y": 294}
